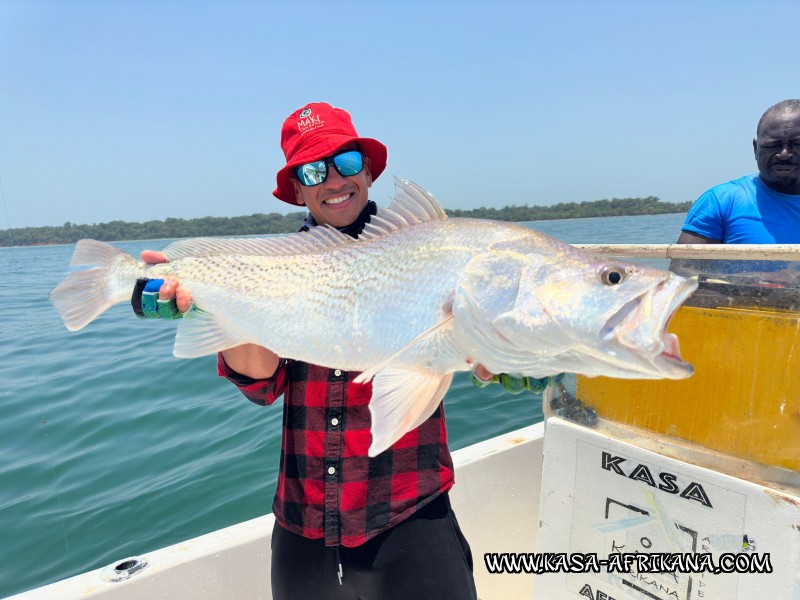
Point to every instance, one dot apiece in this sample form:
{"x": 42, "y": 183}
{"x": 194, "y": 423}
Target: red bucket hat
{"x": 315, "y": 131}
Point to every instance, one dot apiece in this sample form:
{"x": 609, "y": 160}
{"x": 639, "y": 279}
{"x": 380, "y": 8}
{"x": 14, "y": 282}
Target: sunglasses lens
{"x": 312, "y": 173}
{"x": 348, "y": 163}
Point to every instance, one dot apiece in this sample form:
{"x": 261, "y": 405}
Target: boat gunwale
{"x": 698, "y": 251}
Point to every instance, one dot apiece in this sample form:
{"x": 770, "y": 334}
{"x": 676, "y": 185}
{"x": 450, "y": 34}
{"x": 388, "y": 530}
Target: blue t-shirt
{"x": 745, "y": 211}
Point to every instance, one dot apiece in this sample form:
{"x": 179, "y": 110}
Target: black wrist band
{"x": 136, "y": 297}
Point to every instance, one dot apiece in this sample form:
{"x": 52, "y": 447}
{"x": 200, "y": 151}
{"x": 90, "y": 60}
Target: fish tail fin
{"x": 84, "y": 295}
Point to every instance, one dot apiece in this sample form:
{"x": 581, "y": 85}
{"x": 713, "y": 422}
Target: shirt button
{"x": 337, "y": 372}
{"x": 334, "y": 421}
{"x": 331, "y": 470}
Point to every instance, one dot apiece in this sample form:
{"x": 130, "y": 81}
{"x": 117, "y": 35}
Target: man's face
{"x": 777, "y": 150}
{"x": 338, "y": 200}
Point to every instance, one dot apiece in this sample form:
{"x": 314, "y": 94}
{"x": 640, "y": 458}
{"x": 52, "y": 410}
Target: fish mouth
{"x": 639, "y": 330}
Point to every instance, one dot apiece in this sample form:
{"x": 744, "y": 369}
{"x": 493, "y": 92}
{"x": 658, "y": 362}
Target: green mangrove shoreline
{"x": 271, "y": 223}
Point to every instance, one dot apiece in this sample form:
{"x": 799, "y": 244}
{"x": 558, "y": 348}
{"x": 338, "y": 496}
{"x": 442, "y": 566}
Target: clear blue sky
{"x": 150, "y": 109}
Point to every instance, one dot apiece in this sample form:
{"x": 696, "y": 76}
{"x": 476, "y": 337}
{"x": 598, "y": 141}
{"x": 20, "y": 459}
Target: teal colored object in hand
{"x": 168, "y": 309}
{"x": 513, "y": 384}
{"x": 517, "y": 384}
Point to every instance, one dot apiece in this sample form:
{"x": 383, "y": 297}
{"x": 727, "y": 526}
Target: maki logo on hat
{"x": 307, "y": 122}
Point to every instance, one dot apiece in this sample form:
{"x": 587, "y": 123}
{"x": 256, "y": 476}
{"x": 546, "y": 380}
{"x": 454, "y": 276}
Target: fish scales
{"x": 359, "y": 292}
{"x": 417, "y": 297}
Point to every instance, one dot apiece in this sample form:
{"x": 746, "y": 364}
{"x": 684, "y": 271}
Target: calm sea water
{"x": 112, "y": 447}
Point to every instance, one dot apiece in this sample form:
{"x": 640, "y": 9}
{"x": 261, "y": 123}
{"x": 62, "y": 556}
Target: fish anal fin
{"x": 401, "y": 401}
{"x": 199, "y": 334}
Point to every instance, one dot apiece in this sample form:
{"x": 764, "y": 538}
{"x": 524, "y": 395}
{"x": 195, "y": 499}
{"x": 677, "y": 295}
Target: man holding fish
{"x": 367, "y": 316}
{"x": 347, "y": 525}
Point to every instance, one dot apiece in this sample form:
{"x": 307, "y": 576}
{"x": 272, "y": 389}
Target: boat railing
{"x": 699, "y": 251}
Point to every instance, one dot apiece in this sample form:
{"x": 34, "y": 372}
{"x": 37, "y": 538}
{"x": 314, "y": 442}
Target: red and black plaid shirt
{"x": 328, "y": 486}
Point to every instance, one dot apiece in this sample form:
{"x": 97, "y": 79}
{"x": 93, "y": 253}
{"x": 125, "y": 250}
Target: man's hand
{"x": 250, "y": 360}
{"x": 171, "y": 287}
{"x": 482, "y": 373}
{"x": 153, "y": 257}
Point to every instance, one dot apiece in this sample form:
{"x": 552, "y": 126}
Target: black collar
{"x": 355, "y": 228}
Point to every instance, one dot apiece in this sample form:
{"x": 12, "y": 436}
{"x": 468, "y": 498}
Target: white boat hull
{"x": 496, "y": 500}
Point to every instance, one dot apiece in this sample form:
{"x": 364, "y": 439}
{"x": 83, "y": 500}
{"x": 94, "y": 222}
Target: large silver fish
{"x": 417, "y": 297}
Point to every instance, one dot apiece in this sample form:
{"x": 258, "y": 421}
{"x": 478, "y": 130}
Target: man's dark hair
{"x": 782, "y": 107}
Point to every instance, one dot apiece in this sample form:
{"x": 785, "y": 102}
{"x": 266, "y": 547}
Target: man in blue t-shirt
{"x": 756, "y": 209}
{"x": 761, "y": 208}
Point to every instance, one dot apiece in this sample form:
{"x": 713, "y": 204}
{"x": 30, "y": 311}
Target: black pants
{"x": 424, "y": 557}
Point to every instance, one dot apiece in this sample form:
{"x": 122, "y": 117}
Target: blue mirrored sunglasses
{"x": 347, "y": 163}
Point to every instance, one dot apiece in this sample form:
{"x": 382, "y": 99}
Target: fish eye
{"x": 612, "y": 275}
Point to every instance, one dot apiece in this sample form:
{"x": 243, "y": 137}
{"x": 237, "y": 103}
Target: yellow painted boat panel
{"x": 744, "y": 397}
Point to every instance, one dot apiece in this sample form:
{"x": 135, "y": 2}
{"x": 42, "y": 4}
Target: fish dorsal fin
{"x": 315, "y": 240}
{"x": 411, "y": 205}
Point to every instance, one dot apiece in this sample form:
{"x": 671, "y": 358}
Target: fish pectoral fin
{"x": 200, "y": 334}
{"x": 401, "y": 401}
{"x": 423, "y": 337}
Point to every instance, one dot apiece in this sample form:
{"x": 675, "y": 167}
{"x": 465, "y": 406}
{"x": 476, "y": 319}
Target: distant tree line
{"x": 616, "y": 207}
{"x": 261, "y": 223}
{"x": 69, "y": 233}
